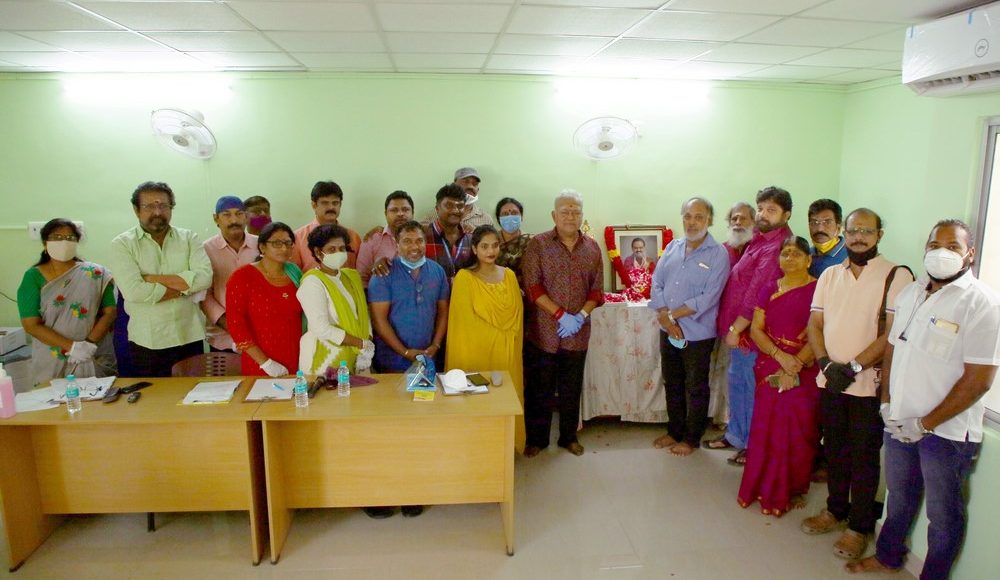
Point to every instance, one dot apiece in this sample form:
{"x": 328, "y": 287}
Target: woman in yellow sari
{"x": 485, "y": 317}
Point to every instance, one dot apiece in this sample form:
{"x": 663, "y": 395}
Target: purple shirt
{"x": 757, "y": 267}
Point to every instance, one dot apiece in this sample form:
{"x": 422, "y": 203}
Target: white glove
{"x": 82, "y": 352}
{"x": 883, "y": 411}
{"x": 363, "y": 364}
{"x": 273, "y": 368}
{"x": 907, "y": 430}
{"x": 368, "y": 348}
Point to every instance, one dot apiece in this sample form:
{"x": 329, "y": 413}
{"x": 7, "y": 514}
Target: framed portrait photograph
{"x": 638, "y": 248}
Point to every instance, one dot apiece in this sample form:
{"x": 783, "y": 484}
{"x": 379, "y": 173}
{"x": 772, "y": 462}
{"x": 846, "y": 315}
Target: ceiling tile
{"x": 648, "y": 4}
{"x": 909, "y": 11}
{"x": 438, "y": 61}
{"x": 343, "y": 61}
{"x": 776, "y": 7}
{"x": 700, "y": 26}
{"x": 712, "y": 70}
{"x": 13, "y": 42}
{"x": 102, "y": 41}
{"x": 34, "y": 15}
{"x": 517, "y": 62}
{"x": 860, "y": 75}
{"x": 789, "y": 72}
{"x": 581, "y": 21}
{"x": 754, "y": 53}
{"x": 216, "y": 41}
{"x": 248, "y": 59}
{"x": 441, "y": 17}
{"x": 888, "y": 41}
{"x": 145, "y": 61}
{"x": 626, "y": 67}
{"x": 850, "y": 57}
{"x": 307, "y": 15}
{"x": 813, "y": 32}
{"x": 550, "y": 45}
{"x": 460, "y": 42}
{"x": 58, "y": 60}
{"x": 169, "y": 15}
{"x": 668, "y": 49}
{"x": 328, "y": 42}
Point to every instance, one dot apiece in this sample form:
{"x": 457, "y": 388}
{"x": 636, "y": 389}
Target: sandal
{"x": 739, "y": 460}
{"x": 719, "y": 443}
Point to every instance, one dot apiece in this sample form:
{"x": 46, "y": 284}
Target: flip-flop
{"x": 719, "y": 443}
{"x": 739, "y": 460}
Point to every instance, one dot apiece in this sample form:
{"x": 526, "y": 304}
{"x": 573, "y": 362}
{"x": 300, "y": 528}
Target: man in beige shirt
{"x": 848, "y": 339}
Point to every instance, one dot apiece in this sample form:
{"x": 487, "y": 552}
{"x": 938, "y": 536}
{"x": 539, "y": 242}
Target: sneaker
{"x": 851, "y": 545}
{"x": 379, "y": 513}
{"x": 821, "y": 523}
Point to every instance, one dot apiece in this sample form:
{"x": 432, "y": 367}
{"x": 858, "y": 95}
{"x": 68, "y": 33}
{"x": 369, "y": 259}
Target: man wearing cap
{"x": 468, "y": 179}
{"x": 229, "y": 249}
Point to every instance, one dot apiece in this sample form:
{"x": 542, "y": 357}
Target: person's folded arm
{"x": 129, "y": 277}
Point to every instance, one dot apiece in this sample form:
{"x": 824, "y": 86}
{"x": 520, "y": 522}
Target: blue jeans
{"x": 741, "y": 388}
{"x": 941, "y": 466}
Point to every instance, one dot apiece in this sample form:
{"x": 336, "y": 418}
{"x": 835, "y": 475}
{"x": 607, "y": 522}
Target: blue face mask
{"x": 678, "y": 342}
{"x": 510, "y": 223}
{"x": 413, "y": 265}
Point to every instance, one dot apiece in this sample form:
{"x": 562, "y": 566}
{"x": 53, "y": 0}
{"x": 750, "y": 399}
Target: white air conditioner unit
{"x": 954, "y": 54}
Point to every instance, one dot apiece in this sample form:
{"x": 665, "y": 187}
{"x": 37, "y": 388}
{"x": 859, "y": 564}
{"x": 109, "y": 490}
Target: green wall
{"x": 278, "y": 134}
{"x": 917, "y": 160}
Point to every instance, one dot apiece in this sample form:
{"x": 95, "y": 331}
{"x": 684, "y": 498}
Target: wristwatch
{"x": 855, "y": 366}
{"x": 924, "y": 430}
{"x": 670, "y": 317}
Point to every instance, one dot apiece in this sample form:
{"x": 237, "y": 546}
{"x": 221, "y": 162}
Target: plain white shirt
{"x": 933, "y": 337}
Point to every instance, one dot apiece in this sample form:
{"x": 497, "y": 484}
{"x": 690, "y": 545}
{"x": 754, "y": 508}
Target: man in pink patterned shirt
{"x": 229, "y": 249}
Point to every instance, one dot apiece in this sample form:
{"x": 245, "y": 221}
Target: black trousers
{"x": 853, "y": 438}
{"x": 546, "y": 375}
{"x": 149, "y": 362}
{"x": 685, "y": 381}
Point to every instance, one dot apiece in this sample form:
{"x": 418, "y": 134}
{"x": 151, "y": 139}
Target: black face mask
{"x": 861, "y": 258}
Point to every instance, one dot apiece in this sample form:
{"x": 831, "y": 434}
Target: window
{"x": 988, "y": 240}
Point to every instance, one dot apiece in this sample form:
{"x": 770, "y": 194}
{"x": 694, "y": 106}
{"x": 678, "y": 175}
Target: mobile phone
{"x": 135, "y": 387}
{"x": 477, "y": 380}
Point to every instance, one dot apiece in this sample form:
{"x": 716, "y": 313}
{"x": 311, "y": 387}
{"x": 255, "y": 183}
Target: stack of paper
{"x": 271, "y": 390}
{"x": 211, "y": 392}
{"x": 91, "y": 388}
{"x": 35, "y": 400}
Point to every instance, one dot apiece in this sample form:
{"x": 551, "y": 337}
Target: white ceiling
{"x": 825, "y": 41}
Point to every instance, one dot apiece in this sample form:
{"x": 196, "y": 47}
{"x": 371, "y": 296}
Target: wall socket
{"x": 35, "y": 229}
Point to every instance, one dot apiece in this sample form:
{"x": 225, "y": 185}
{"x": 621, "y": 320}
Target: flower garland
{"x": 638, "y": 283}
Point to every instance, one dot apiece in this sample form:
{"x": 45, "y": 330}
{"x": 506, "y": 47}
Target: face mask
{"x": 471, "y": 199}
{"x": 678, "y": 342}
{"x": 258, "y": 222}
{"x": 510, "y": 223}
{"x": 335, "y": 260}
{"x": 413, "y": 265}
{"x": 826, "y": 247}
{"x": 62, "y": 250}
{"x": 861, "y": 258}
{"x": 943, "y": 265}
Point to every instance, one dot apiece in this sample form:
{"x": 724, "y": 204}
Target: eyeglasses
{"x": 62, "y": 238}
{"x": 156, "y": 206}
{"x": 453, "y": 205}
{"x": 861, "y": 232}
{"x": 824, "y": 222}
{"x": 280, "y": 243}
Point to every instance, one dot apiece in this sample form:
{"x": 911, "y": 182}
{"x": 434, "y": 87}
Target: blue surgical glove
{"x": 569, "y": 324}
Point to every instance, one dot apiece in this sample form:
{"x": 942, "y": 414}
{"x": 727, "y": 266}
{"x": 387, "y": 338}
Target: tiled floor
{"x": 623, "y": 510}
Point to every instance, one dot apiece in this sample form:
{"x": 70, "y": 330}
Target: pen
{"x": 277, "y": 386}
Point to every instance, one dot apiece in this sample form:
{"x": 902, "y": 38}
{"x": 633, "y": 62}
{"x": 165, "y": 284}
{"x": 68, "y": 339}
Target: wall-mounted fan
{"x": 184, "y": 132}
{"x": 604, "y": 137}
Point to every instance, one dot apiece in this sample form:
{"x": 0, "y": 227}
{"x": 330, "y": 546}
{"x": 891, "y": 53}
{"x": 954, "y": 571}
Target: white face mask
{"x": 471, "y": 199}
{"x": 62, "y": 250}
{"x": 335, "y": 260}
{"x": 943, "y": 263}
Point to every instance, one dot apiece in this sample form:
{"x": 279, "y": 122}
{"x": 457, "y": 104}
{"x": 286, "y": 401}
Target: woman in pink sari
{"x": 784, "y": 432}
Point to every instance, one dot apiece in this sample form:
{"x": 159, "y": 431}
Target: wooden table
{"x": 379, "y": 447}
{"x": 150, "y": 456}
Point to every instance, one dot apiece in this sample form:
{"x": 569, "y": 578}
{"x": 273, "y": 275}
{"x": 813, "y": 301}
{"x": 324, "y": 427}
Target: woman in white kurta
{"x": 333, "y": 301}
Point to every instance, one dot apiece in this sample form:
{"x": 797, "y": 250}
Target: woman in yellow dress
{"x": 486, "y": 317}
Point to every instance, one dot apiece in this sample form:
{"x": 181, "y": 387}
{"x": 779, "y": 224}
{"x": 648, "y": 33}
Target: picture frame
{"x": 626, "y": 241}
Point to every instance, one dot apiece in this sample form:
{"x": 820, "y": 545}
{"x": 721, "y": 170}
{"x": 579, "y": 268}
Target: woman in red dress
{"x": 264, "y": 315}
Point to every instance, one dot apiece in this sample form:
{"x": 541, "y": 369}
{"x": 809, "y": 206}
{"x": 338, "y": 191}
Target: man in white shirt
{"x": 943, "y": 353}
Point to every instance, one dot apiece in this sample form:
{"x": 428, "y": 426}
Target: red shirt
{"x": 262, "y": 314}
{"x": 569, "y": 277}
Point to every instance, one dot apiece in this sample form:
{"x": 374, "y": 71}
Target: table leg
{"x": 258, "y": 494}
{"x": 279, "y": 516}
{"x": 25, "y": 524}
{"x": 507, "y": 506}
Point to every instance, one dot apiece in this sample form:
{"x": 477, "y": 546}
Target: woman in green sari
{"x": 333, "y": 300}
{"x": 68, "y": 306}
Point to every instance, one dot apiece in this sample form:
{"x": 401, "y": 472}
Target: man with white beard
{"x": 687, "y": 284}
{"x": 740, "y": 224}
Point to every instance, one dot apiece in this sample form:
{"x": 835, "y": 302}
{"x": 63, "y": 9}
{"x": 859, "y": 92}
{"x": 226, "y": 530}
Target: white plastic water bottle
{"x": 343, "y": 380}
{"x": 301, "y": 390}
{"x": 73, "y": 404}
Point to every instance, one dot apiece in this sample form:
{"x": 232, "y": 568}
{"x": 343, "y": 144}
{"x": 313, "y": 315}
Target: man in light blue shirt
{"x": 687, "y": 285}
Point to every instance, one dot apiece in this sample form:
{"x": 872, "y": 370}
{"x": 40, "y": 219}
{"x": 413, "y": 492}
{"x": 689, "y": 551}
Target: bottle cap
{"x": 299, "y": 373}
{"x": 343, "y": 363}
{"x": 70, "y": 377}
